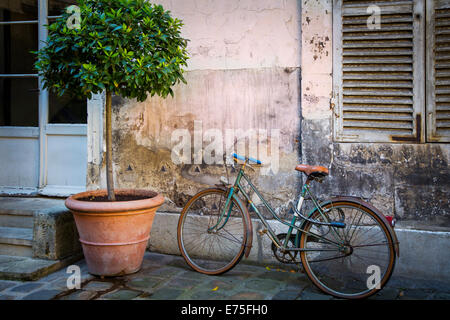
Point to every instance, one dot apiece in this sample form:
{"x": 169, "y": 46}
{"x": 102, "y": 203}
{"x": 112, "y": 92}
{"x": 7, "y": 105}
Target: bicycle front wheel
{"x": 352, "y": 262}
{"x": 212, "y": 238}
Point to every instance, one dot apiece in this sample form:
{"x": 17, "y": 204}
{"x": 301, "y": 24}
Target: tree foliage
{"x": 129, "y": 47}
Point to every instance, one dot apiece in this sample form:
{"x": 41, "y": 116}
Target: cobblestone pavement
{"x": 166, "y": 277}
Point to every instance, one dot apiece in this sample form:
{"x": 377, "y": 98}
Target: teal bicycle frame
{"x": 237, "y": 187}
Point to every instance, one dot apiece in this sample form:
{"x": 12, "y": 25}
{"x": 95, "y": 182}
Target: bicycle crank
{"x": 285, "y": 256}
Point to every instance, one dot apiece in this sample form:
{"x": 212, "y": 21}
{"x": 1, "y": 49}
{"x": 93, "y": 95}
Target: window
{"x": 383, "y": 89}
{"x": 19, "y": 88}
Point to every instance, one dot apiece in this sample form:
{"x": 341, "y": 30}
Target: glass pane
{"x": 56, "y": 7}
{"x": 16, "y": 42}
{"x": 65, "y": 109}
{"x": 19, "y": 102}
{"x": 18, "y": 10}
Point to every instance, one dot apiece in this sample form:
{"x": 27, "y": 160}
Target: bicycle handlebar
{"x": 234, "y": 155}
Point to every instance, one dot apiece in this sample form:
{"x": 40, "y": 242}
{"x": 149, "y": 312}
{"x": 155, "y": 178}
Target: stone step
{"x": 16, "y": 241}
{"x": 16, "y": 220}
{"x": 30, "y": 269}
{"x": 18, "y": 212}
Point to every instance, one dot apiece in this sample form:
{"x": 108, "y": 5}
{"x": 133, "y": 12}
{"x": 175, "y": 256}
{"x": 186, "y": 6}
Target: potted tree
{"x": 129, "y": 48}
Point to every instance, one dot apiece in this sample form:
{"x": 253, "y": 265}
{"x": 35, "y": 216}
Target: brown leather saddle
{"x": 313, "y": 171}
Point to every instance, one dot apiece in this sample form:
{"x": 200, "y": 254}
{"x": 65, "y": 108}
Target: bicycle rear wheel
{"x": 211, "y": 244}
{"x": 352, "y": 262}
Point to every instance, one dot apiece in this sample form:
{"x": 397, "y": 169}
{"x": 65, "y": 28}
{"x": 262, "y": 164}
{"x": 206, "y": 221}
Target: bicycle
{"x": 346, "y": 246}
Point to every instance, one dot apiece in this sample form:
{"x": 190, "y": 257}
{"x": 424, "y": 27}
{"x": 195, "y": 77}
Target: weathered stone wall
{"x": 410, "y": 181}
{"x": 244, "y": 73}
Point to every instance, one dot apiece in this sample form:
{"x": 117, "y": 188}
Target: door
{"x": 42, "y": 136}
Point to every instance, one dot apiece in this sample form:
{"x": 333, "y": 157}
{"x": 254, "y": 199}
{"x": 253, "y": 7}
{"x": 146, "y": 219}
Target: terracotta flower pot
{"x": 114, "y": 235}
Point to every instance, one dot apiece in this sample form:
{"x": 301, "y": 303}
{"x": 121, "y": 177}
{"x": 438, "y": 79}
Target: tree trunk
{"x": 109, "y": 167}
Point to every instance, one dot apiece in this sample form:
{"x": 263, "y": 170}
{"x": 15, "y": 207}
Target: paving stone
{"x": 165, "y": 272}
{"x": 386, "y": 294}
{"x": 98, "y": 286}
{"x": 179, "y": 263}
{"x": 25, "y": 288}
{"x": 286, "y": 295}
{"x": 247, "y": 296}
{"x": 195, "y": 275}
{"x": 262, "y": 285}
{"x": 441, "y": 296}
{"x": 308, "y": 295}
{"x": 222, "y": 284}
{"x": 42, "y": 295}
{"x": 207, "y": 295}
{"x": 238, "y": 274}
{"x": 278, "y": 275}
{"x": 414, "y": 294}
{"x": 156, "y": 258}
{"x": 298, "y": 283}
{"x": 121, "y": 294}
{"x": 59, "y": 284}
{"x": 182, "y": 283}
{"x": 80, "y": 295}
{"x": 7, "y": 284}
{"x": 166, "y": 294}
{"x": 145, "y": 283}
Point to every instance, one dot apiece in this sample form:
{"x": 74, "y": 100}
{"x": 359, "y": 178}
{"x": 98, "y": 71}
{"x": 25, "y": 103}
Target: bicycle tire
{"x": 215, "y": 259}
{"x": 344, "y": 275}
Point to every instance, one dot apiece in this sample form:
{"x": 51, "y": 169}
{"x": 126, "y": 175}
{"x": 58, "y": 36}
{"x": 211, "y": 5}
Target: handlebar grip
{"x": 245, "y": 158}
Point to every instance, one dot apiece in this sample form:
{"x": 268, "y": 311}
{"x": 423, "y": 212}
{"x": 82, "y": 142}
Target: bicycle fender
{"x": 380, "y": 215}
{"x": 248, "y": 244}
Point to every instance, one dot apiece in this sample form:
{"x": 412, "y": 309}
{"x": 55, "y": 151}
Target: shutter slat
{"x": 372, "y": 60}
{"x": 400, "y": 8}
{"x": 443, "y": 107}
{"x": 380, "y": 67}
{"x": 442, "y": 38}
{"x": 363, "y": 28}
{"x": 377, "y": 92}
{"x": 378, "y": 44}
{"x": 378, "y": 100}
{"x": 377, "y": 84}
{"x": 366, "y": 3}
{"x": 375, "y": 116}
{"x": 388, "y": 109}
{"x": 387, "y": 20}
{"x": 378, "y": 124}
{"x": 440, "y": 98}
{"x": 376, "y": 76}
{"x": 442, "y": 4}
{"x": 379, "y": 52}
{"x": 378, "y": 36}
{"x": 443, "y": 90}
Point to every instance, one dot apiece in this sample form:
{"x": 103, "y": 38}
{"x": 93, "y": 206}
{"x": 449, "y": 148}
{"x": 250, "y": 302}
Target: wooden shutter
{"x": 378, "y": 74}
{"x": 438, "y": 70}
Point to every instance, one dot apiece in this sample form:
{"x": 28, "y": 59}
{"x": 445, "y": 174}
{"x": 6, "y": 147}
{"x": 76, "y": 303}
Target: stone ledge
{"x": 30, "y": 269}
